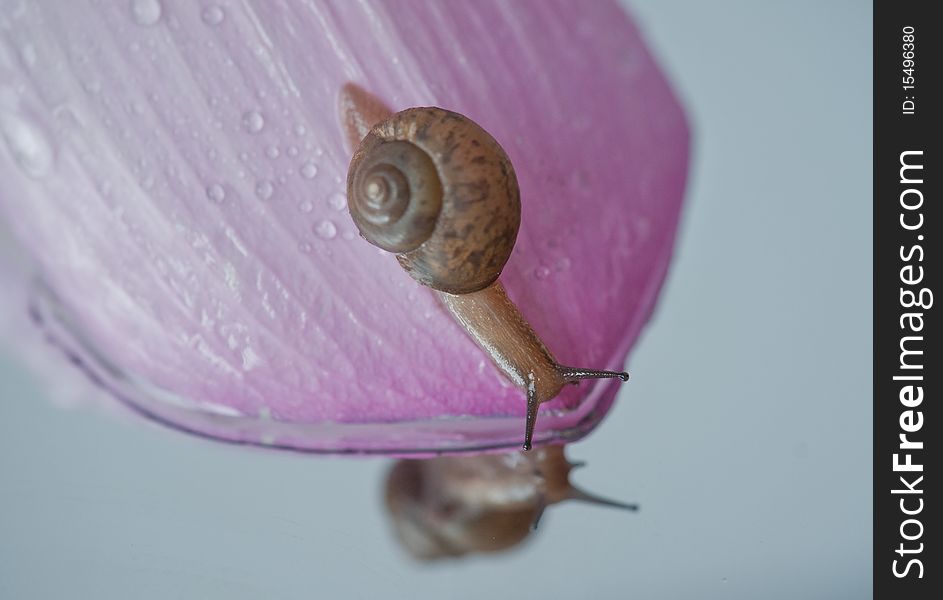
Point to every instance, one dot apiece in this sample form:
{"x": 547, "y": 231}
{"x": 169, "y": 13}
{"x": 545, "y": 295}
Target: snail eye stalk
{"x": 569, "y": 375}
{"x": 572, "y": 374}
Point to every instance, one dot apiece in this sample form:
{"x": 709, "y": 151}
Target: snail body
{"x": 437, "y": 190}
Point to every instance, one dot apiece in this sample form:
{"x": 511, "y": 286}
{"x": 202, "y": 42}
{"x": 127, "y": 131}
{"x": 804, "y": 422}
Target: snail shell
{"x": 436, "y": 189}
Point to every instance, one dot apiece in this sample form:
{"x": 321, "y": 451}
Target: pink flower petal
{"x": 177, "y": 171}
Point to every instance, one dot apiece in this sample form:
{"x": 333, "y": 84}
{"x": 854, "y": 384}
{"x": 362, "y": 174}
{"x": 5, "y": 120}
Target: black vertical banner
{"x": 908, "y": 375}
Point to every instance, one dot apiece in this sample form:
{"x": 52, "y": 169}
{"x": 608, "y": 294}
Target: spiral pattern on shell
{"x": 395, "y": 196}
{"x": 436, "y": 189}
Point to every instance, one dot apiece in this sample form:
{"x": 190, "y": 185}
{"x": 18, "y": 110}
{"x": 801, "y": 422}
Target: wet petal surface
{"x": 177, "y": 171}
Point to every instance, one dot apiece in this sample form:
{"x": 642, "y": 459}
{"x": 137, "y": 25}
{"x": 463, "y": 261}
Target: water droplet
{"x": 216, "y": 193}
{"x": 213, "y": 15}
{"x": 300, "y": 130}
{"x": 541, "y": 272}
{"x": 337, "y": 201}
{"x": 304, "y": 247}
{"x": 292, "y": 151}
{"x": 250, "y": 360}
{"x": 145, "y": 12}
{"x": 264, "y": 189}
{"x": 253, "y": 121}
{"x": 93, "y": 87}
{"x": 309, "y": 170}
{"x": 326, "y": 230}
{"x": 305, "y": 206}
{"x": 28, "y": 54}
{"x": 29, "y": 146}
{"x": 272, "y": 151}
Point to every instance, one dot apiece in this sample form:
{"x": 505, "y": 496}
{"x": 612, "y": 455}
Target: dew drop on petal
{"x": 305, "y": 206}
{"x": 92, "y": 87}
{"x": 264, "y": 189}
{"x": 309, "y": 170}
{"x": 253, "y": 121}
{"x": 326, "y": 230}
{"x": 304, "y": 247}
{"x": 337, "y": 201}
{"x": 541, "y": 272}
{"x": 31, "y": 148}
{"x": 272, "y": 151}
{"x": 213, "y": 15}
{"x": 28, "y": 54}
{"x": 216, "y": 193}
{"x": 146, "y": 12}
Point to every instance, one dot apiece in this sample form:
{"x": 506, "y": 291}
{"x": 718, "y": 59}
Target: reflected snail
{"x": 455, "y": 505}
{"x": 435, "y": 189}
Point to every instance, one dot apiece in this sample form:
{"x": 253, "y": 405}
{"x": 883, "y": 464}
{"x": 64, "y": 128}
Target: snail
{"x": 438, "y": 191}
{"x": 454, "y": 505}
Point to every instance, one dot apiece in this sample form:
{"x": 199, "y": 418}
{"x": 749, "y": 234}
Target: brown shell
{"x": 480, "y": 210}
{"x": 395, "y": 196}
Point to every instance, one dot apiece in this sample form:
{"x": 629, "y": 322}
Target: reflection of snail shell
{"x": 454, "y": 505}
{"x": 438, "y": 190}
